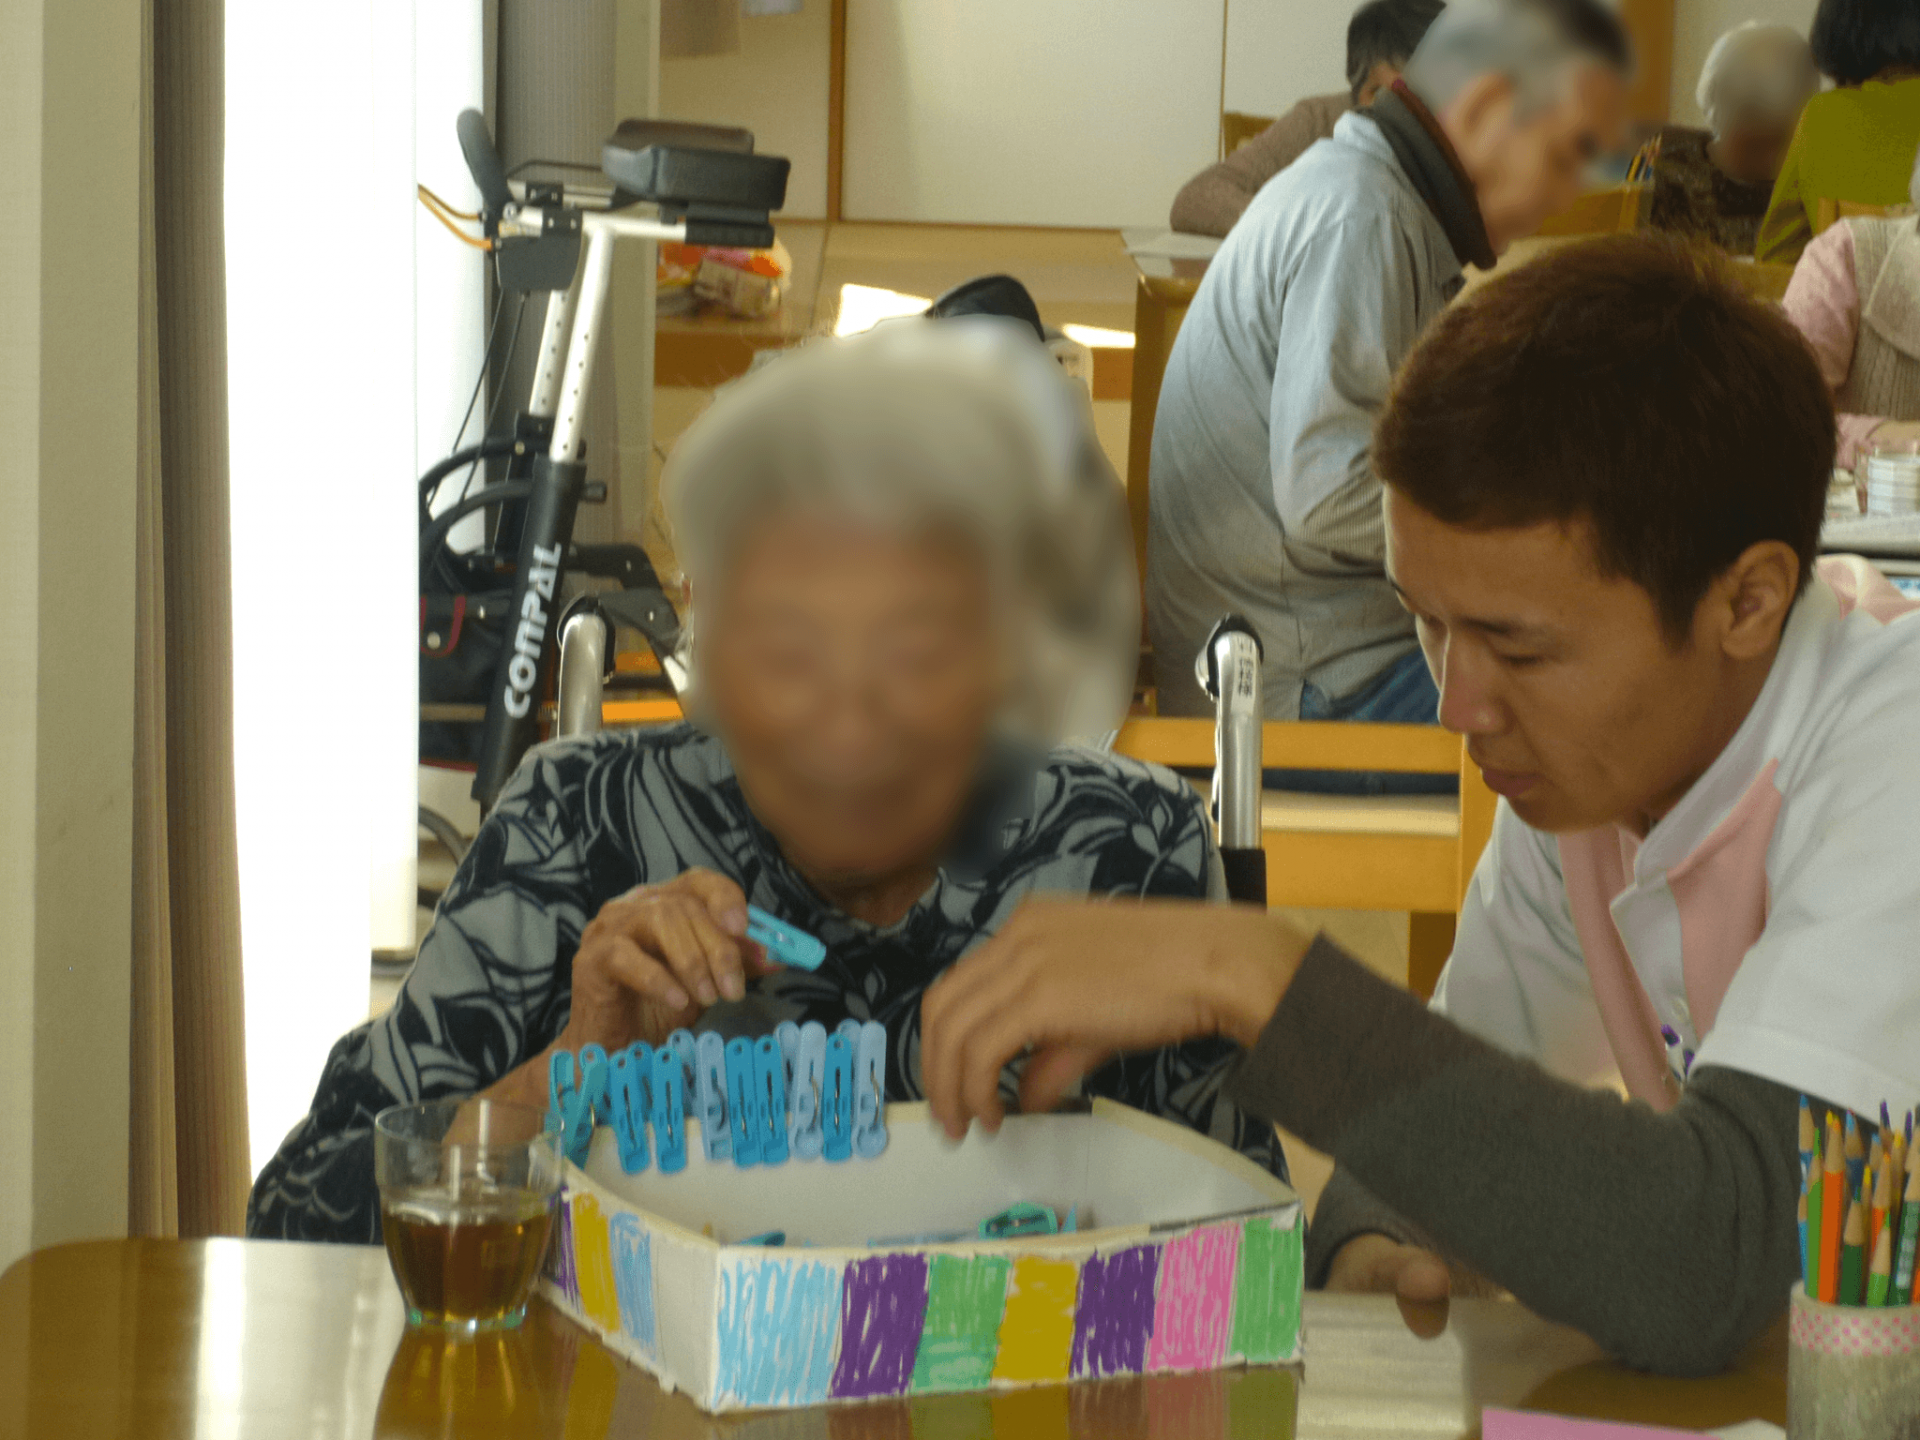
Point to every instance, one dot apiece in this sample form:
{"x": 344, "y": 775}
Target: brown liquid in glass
{"x": 470, "y": 1264}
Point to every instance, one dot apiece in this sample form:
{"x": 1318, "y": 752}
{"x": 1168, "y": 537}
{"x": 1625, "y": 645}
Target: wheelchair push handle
{"x": 1229, "y": 668}
{"x": 483, "y": 161}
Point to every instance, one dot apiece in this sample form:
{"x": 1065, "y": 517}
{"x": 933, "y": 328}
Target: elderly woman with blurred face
{"x": 1715, "y": 184}
{"x": 879, "y": 537}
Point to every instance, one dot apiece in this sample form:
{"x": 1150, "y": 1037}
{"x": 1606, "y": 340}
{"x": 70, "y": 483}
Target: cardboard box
{"x": 1190, "y": 1259}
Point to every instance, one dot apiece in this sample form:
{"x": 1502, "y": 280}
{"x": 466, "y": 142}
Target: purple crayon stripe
{"x": 560, "y": 1250}
{"x": 1115, "y": 1316}
{"x": 882, "y": 1307}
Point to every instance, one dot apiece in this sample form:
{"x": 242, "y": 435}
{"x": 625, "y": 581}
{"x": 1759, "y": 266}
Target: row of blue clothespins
{"x": 798, "y": 1092}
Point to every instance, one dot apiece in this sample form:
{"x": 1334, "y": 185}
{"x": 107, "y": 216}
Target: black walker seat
{"x": 707, "y": 175}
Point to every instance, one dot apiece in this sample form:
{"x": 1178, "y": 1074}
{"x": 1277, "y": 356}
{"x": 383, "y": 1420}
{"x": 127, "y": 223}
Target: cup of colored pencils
{"x": 1853, "y": 1368}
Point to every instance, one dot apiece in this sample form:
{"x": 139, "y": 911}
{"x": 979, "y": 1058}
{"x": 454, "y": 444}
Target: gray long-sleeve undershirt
{"x": 1671, "y": 1239}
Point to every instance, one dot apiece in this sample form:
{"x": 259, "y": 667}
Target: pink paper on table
{"x": 1530, "y": 1425}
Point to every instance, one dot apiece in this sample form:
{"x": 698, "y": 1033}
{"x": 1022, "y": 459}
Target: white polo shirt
{"x": 1772, "y": 918}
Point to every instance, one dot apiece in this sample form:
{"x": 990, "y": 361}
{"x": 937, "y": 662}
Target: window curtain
{"x": 187, "y": 1163}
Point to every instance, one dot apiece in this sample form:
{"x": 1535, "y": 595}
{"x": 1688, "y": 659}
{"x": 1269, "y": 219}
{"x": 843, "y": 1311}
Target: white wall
{"x": 1698, "y": 23}
{"x": 776, "y": 86}
{"x": 1010, "y": 112}
{"x": 69, "y": 404}
{"x": 1281, "y": 50}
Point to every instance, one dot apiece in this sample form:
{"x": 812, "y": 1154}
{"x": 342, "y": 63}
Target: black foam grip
{"x": 483, "y": 161}
{"x": 1246, "y": 875}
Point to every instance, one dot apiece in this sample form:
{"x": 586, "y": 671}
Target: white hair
{"x": 1528, "y": 42}
{"x": 963, "y": 426}
{"x": 1756, "y": 73}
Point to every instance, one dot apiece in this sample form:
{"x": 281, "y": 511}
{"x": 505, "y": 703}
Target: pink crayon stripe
{"x": 1195, "y": 1308}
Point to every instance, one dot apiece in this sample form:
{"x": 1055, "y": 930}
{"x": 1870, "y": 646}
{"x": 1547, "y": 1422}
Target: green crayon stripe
{"x": 966, "y": 1296}
{"x": 1266, "y": 1305}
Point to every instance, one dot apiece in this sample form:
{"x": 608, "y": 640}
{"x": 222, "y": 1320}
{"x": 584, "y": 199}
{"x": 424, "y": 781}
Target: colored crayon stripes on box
{"x": 1194, "y": 1312}
{"x": 1036, "y": 1333}
{"x": 593, "y": 1264}
{"x": 882, "y": 1306}
{"x": 1266, "y": 1310}
{"x": 966, "y": 1296}
{"x": 776, "y": 1326}
{"x": 632, "y": 1250}
{"x": 1114, "y": 1318}
{"x": 560, "y": 1268}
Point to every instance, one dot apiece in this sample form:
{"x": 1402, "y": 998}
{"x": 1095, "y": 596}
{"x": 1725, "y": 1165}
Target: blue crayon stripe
{"x": 777, "y": 1324}
{"x": 633, "y": 1280}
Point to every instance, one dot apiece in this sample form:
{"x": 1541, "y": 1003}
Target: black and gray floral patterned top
{"x": 586, "y": 820}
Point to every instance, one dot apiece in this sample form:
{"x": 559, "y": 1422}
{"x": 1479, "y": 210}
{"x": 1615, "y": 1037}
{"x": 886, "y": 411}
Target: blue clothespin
{"x": 768, "y": 1238}
{"x": 851, "y": 1029}
{"x": 630, "y": 1083}
{"x": 770, "y": 1100}
{"x": 742, "y": 1109}
{"x": 787, "y": 1036}
{"x": 870, "y": 1091}
{"x": 669, "y": 1111}
{"x": 710, "y": 1072}
{"x": 836, "y": 1101}
{"x": 782, "y": 942}
{"x": 683, "y": 1046}
{"x": 593, "y": 1081}
{"x": 568, "y": 1100}
{"x": 1018, "y": 1220}
{"x": 804, "y": 1136}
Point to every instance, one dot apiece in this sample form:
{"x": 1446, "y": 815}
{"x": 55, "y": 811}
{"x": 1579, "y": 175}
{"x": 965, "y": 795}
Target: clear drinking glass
{"x": 467, "y": 1192}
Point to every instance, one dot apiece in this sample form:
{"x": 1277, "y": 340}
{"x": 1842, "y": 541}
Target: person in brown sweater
{"x": 1605, "y": 474}
{"x": 1380, "y": 37}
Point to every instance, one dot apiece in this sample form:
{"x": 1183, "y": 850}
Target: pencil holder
{"x": 1853, "y": 1373}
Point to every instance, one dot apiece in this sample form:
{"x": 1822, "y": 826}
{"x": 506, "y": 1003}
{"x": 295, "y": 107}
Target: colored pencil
{"x": 1806, "y": 1255}
{"x": 1909, "y": 1234}
{"x": 1814, "y": 1194}
{"x": 1809, "y": 1139}
{"x": 1833, "y": 1210}
{"x": 1880, "y": 1272}
{"x": 1853, "y": 1257}
{"x": 1882, "y": 1200}
{"x": 1856, "y": 1153}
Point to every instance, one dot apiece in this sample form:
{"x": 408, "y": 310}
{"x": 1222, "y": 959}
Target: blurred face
{"x": 1526, "y": 165}
{"x": 1752, "y": 154}
{"x": 1571, "y": 698}
{"x": 853, "y": 675}
{"x": 1383, "y": 74}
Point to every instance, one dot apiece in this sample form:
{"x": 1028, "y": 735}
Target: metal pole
{"x": 553, "y": 354}
{"x": 1229, "y": 667}
{"x": 583, "y": 664}
{"x": 569, "y": 423}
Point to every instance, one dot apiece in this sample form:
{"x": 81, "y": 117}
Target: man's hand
{"x": 653, "y": 960}
{"x": 1076, "y": 980}
{"x": 1420, "y": 1280}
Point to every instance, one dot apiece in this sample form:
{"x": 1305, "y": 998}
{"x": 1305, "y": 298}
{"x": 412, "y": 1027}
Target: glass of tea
{"x": 467, "y": 1192}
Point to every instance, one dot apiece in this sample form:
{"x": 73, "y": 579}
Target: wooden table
{"x": 260, "y": 1340}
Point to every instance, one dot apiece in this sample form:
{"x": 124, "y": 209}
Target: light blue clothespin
{"x": 682, "y": 1043}
{"x": 770, "y": 1100}
{"x": 782, "y": 942}
{"x": 630, "y": 1083}
{"x": 710, "y": 1072}
{"x": 669, "y": 1111}
{"x": 787, "y": 1036}
{"x": 742, "y": 1105}
{"x": 850, "y": 1028}
{"x": 870, "y": 1091}
{"x": 804, "y": 1136}
{"x": 567, "y": 1100}
{"x": 593, "y": 1081}
{"x": 836, "y": 1101}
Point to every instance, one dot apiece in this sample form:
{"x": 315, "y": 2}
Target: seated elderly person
{"x": 1855, "y": 296}
{"x": 866, "y": 528}
{"x": 1715, "y": 184}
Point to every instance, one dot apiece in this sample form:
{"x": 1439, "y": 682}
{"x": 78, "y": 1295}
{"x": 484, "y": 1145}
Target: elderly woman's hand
{"x": 1075, "y": 980}
{"x": 654, "y": 959}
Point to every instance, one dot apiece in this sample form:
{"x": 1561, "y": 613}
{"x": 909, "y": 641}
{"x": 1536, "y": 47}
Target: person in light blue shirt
{"x": 1263, "y": 497}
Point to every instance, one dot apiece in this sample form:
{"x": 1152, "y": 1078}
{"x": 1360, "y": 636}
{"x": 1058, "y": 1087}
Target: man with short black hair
{"x": 1380, "y": 37}
{"x": 1605, "y": 475}
{"x": 1262, "y": 499}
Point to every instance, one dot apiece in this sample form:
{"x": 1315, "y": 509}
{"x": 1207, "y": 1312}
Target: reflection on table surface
{"x": 257, "y": 1339}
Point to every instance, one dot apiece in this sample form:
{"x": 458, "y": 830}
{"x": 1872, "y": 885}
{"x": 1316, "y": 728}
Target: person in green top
{"x": 1856, "y": 142}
